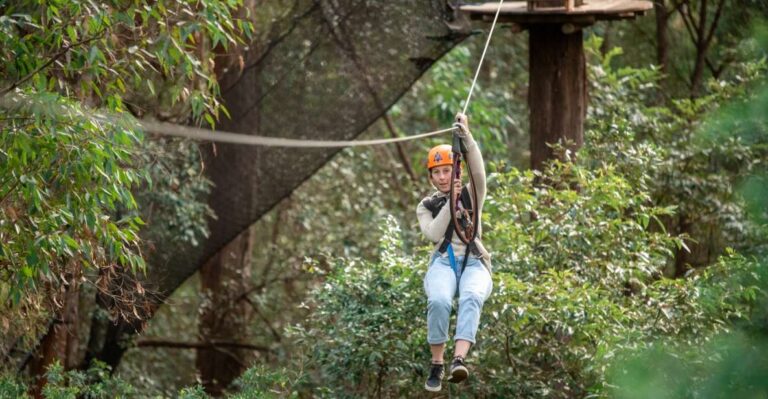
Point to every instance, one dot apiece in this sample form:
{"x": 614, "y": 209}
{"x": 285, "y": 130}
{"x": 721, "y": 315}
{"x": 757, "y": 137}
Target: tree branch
{"x": 263, "y": 318}
{"x": 50, "y": 61}
{"x": 400, "y": 149}
{"x": 166, "y": 343}
{"x": 715, "y": 21}
{"x": 688, "y": 21}
{"x": 264, "y": 284}
{"x": 702, "y": 27}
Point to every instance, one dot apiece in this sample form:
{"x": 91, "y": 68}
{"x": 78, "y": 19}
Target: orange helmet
{"x": 440, "y": 155}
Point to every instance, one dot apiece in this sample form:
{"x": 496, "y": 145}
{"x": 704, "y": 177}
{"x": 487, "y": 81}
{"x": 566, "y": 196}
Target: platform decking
{"x": 590, "y": 11}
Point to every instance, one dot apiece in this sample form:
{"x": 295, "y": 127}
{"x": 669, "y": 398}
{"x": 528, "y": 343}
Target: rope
{"x": 482, "y": 57}
{"x": 236, "y": 138}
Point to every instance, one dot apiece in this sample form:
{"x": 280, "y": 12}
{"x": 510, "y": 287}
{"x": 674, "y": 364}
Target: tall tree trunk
{"x": 697, "y": 76}
{"x": 71, "y": 318}
{"x": 46, "y": 353}
{"x": 557, "y": 94}
{"x": 662, "y": 40}
{"x": 224, "y": 315}
{"x": 61, "y": 341}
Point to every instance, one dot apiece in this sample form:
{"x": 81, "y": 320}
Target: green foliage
{"x": 580, "y": 252}
{"x": 66, "y": 198}
{"x": 71, "y": 75}
{"x": 729, "y": 366}
{"x": 262, "y": 382}
{"x": 196, "y": 392}
{"x": 733, "y": 364}
{"x": 94, "y": 383}
{"x": 578, "y": 280}
{"x": 10, "y": 388}
{"x": 576, "y": 247}
{"x": 573, "y": 218}
{"x": 675, "y": 153}
{"x": 107, "y": 52}
{"x": 497, "y": 112}
{"x": 174, "y": 205}
{"x": 360, "y": 333}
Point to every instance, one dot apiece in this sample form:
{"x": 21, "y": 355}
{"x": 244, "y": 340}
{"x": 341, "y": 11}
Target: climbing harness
{"x": 434, "y": 205}
{"x": 463, "y": 217}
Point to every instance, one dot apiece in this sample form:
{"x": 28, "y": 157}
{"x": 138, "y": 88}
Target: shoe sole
{"x": 458, "y": 375}
{"x": 432, "y": 389}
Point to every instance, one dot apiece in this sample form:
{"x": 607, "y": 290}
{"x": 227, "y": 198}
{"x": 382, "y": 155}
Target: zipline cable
{"x": 236, "y": 138}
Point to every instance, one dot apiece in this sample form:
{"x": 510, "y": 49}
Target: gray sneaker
{"x": 459, "y": 370}
{"x": 434, "y": 382}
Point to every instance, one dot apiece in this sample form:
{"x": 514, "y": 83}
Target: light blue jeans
{"x": 475, "y": 286}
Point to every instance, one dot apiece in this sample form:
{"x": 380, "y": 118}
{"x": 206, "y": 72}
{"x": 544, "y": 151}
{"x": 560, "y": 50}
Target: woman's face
{"x": 441, "y": 177}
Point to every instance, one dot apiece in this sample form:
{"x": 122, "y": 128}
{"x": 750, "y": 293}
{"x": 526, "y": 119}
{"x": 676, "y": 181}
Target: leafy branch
{"x": 50, "y": 61}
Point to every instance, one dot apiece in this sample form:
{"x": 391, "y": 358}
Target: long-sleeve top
{"x": 434, "y": 227}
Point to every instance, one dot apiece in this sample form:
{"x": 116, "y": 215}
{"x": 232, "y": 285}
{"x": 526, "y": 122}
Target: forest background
{"x": 633, "y": 269}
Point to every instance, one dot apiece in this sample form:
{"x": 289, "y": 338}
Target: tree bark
{"x": 557, "y": 94}
{"x": 44, "y": 356}
{"x": 224, "y": 316}
{"x": 701, "y": 35}
{"x": 662, "y": 39}
{"x": 60, "y": 342}
{"x": 701, "y": 51}
{"x": 71, "y": 336}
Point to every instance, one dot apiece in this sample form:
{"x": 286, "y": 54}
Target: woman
{"x": 443, "y": 278}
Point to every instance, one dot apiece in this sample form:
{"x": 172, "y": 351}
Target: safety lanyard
{"x": 452, "y": 259}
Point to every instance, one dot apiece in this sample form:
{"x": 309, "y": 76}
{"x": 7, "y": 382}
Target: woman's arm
{"x": 433, "y": 228}
{"x": 474, "y": 158}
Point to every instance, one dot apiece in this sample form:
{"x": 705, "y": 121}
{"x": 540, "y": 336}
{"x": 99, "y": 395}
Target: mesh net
{"x": 326, "y": 69}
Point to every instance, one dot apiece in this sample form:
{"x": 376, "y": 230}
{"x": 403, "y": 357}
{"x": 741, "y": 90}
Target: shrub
{"x": 577, "y": 282}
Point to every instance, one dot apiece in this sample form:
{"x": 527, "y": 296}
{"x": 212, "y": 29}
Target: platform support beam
{"x": 557, "y": 93}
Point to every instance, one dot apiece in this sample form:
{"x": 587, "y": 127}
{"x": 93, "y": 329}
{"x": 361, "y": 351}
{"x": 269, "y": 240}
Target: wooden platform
{"x": 590, "y": 12}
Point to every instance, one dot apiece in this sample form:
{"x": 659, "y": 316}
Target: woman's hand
{"x": 456, "y": 189}
{"x": 462, "y": 125}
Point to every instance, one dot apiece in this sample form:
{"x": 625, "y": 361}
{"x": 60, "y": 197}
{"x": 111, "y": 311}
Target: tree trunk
{"x": 71, "y": 318}
{"x": 697, "y": 77}
{"x": 662, "y": 39}
{"x": 61, "y": 341}
{"x": 557, "y": 94}
{"x": 701, "y": 43}
{"x": 224, "y": 315}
